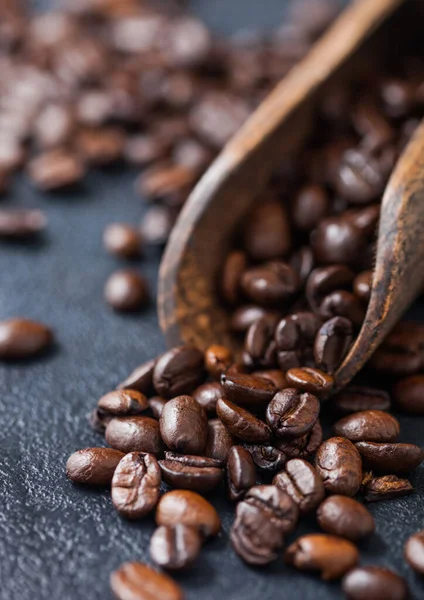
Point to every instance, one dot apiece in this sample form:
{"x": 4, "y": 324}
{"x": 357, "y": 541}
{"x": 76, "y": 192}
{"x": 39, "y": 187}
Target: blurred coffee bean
{"x": 178, "y": 371}
{"x": 233, "y": 269}
{"x": 56, "y": 169}
{"x": 245, "y": 316}
{"x": 325, "y": 280}
{"x": 414, "y": 552}
{"x": 21, "y": 223}
{"x": 369, "y": 426}
{"x": 390, "y": 458}
{"x": 175, "y": 548}
{"x": 126, "y": 291}
{"x": 374, "y": 583}
{"x": 338, "y": 240}
{"x": 122, "y": 240}
{"x": 346, "y": 517}
{"x": 362, "y": 285}
{"x": 156, "y": 404}
{"x": 134, "y": 579}
{"x": 332, "y": 343}
{"x": 267, "y": 234}
{"x": 241, "y": 472}
{"x": 270, "y": 284}
{"x": 259, "y": 342}
{"x": 217, "y": 360}
{"x": 402, "y": 352}
{"x": 141, "y": 379}
{"x": 183, "y": 507}
{"x": 409, "y": 394}
{"x": 310, "y": 206}
{"x": 355, "y": 399}
{"x": 361, "y": 176}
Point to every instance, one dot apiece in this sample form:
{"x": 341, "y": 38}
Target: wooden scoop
{"x": 188, "y": 306}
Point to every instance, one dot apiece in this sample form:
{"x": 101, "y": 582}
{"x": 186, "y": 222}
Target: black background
{"x": 58, "y": 541}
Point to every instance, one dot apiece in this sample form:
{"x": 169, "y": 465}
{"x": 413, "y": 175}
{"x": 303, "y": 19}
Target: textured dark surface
{"x": 58, "y": 541}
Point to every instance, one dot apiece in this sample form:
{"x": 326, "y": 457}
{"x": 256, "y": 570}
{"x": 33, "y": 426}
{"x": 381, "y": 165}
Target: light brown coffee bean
{"x": 175, "y": 548}
{"x": 374, "y": 583}
{"x": 184, "y": 425}
{"x": 23, "y": 338}
{"x": 385, "y": 487}
{"x": 340, "y": 515}
{"x": 140, "y": 582}
{"x": 302, "y": 483}
{"x": 414, "y": 552}
{"x": 217, "y": 360}
{"x": 183, "y": 507}
{"x": 122, "y": 403}
{"x": 126, "y": 291}
{"x": 340, "y": 466}
{"x": 93, "y": 466}
{"x": 131, "y": 434}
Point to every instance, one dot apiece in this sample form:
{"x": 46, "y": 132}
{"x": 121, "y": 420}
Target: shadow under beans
{"x": 31, "y": 244}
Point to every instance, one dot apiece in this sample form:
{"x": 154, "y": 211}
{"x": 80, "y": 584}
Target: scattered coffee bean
{"x": 188, "y": 472}
{"x": 122, "y": 403}
{"x": 184, "y": 425}
{"x": 217, "y": 360}
{"x": 390, "y": 458}
{"x": 178, "y": 371}
{"x": 339, "y": 464}
{"x": 343, "y": 516}
{"x": 207, "y": 395}
{"x": 374, "y": 583}
{"x": 21, "y": 223}
{"x": 156, "y": 404}
{"x": 56, "y": 169}
{"x": 332, "y": 343}
{"x": 291, "y": 413}
{"x": 93, "y": 466}
{"x": 385, "y": 487}
{"x": 183, "y": 507}
{"x": 219, "y": 441}
{"x": 409, "y": 394}
{"x": 368, "y": 425}
{"x": 126, "y": 291}
{"x": 134, "y": 434}
{"x": 241, "y": 472}
{"x": 309, "y": 380}
{"x": 136, "y": 580}
{"x": 141, "y": 379}
{"x": 247, "y": 390}
{"x": 122, "y": 240}
{"x": 241, "y": 423}
{"x": 303, "y": 447}
{"x": 355, "y": 399}
{"x": 302, "y": 483}
{"x": 266, "y": 458}
{"x": 175, "y": 547}
{"x": 414, "y": 552}
{"x": 23, "y": 338}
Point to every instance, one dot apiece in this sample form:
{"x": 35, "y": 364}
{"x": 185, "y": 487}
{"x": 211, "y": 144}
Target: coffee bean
{"x": 310, "y": 380}
{"x": 259, "y": 342}
{"x": 262, "y": 519}
{"x": 310, "y": 206}
{"x": 244, "y": 316}
{"x": 302, "y": 483}
{"x": 241, "y": 423}
{"x": 338, "y": 240}
{"x": 291, "y": 413}
{"x": 141, "y": 379}
{"x": 374, "y": 583}
{"x": 343, "y": 304}
{"x": 100, "y": 146}
{"x": 324, "y": 280}
{"x": 402, "y": 352}
{"x": 303, "y": 447}
{"x": 183, "y": 507}
{"x": 340, "y": 466}
{"x": 241, "y": 472}
{"x": 122, "y": 403}
{"x": 21, "y": 223}
{"x": 345, "y": 517}
{"x": 266, "y": 458}
{"x": 156, "y": 404}
{"x": 207, "y": 395}
{"x": 274, "y": 376}
{"x": 233, "y": 269}
{"x": 331, "y": 556}
{"x": 164, "y": 178}
{"x": 188, "y": 472}
{"x": 178, "y": 371}
{"x": 93, "y": 466}
{"x": 362, "y": 286}
{"x": 397, "y": 95}
{"x": 156, "y": 225}
{"x": 332, "y": 343}
{"x": 131, "y": 434}
{"x": 369, "y": 426}
{"x": 302, "y": 261}
{"x": 56, "y": 169}
{"x": 409, "y": 394}
{"x": 122, "y": 240}
{"x": 271, "y": 284}
{"x": 358, "y": 398}
{"x": 267, "y": 233}
{"x": 136, "y": 580}
{"x": 385, "y": 487}
{"x": 189, "y": 152}
{"x": 175, "y": 548}
{"x": 390, "y": 458}
{"x": 247, "y": 390}
{"x": 184, "y": 425}
{"x": 219, "y": 441}
{"x": 414, "y": 552}
{"x": 360, "y": 178}
{"x": 126, "y": 291}
{"x": 23, "y": 338}
{"x": 217, "y": 360}
{"x": 136, "y": 485}
{"x": 294, "y": 337}
{"x": 99, "y": 420}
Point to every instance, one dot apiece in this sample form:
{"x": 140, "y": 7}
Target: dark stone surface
{"x": 58, "y": 541}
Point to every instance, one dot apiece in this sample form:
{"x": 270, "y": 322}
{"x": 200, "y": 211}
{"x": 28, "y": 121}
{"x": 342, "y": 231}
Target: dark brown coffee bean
{"x": 374, "y": 583}
{"x": 262, "y": 519}
{"x": 188, "y": 472}
{"x": 136, "y": 485}
{"x": 369, "y": 426}
{"x": 357, "y": 398}
{"x": 141, "y": 379}
{"x": 385, "y": 487}
{"x": 345, "y": 517}
{"x": 122, "y": 403}
{"x": 303, "y": 447}
{"x": 332, "y": 343}
{"x": 23, "y": 338}
{"x": 390, "y": 458}
{"x": 207, "y": 395}
{"x": 271, "y": 284}
{"x": 126, "y": 291}
{"x": 414, "y": 552}
{"x": 402, "y": 352}
{"x": 136, "y": 580}
{"x": 291, "y": 413}
{"x": 175, "y": 548}
{"x": 56, "y": 169}
{"x": 324, "y": 280}
{"x": 247, "y": 390}
{"x": 93, "y": 466}
{"x": 178, "y": 371}
{"x": 156, "y": 404}
{"x": 274, "y": 376}
{"x": 310, "y": 380}
{"x": 360, "y": 178}
{"x": 21, "y": 223}
{"x": 409, "y": 394}
{"x": 184, "y": 425}
{"x": 241, "y": 472}
{"x": 259, "y": 342}
{"x": 217, "y": 360}
{"x": 310, "y": 206}
{"x": 338, "y": 240}
{"x": 340, "y": 466}
{"x": 241, "y": 423}
{"x": 302, "y": 261}
{"x": 134, "y": 434}
{"x": 362, "y": 286}
{"x": 219, "y": 441}
{"x": 343, "y": 304}
{"x": 233, "y": 269}
{"x": 398, "y": 96}
{"x": 294, "y": 336}
{"x": 183, "y": 507}
{"x": 244, "y": 316}
{"x": 267, "y": 232}
{"x": 266, "y": 458}
{"x": 122, "y": 240}
{"x": 331, "y": 556}
{"x": 302, "y": 483}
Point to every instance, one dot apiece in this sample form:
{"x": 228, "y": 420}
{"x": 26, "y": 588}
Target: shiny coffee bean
{"x": 358, "y": 398}
{"x": 207, "y": 395}
{"x": 291, "y": 413}
{"x": 241, "y": 472}
{"x": 267, "y": 233}
{"x": 136, "y": 580}
{"x": 23, "y": 338}
{"x": 362, "y": 286}
{"x": 294, "y": 337}
{"x": 122, "y": 240}
{"x": 385, "y": 487}
{"x": 141, "y": 379}
{"x": 338, "y": 240}
{"x": 233, "y": 269}
{"x": 244, "y": 316}
{"x": 178, "y": 371}
{"x": 390, "y": 458}
{"x": 266, "y": 458}
{"x": 302, "y": 483}
{"x": 360, "y": 178}
{"x": 248, "y": 390}
{"x": 217, "y": 360}
{"x": 122, "y": 403}
{"x": 131, "y": 434}
{"x": 302, "y": 261}
{"x": 369, "y": 426}
{"x": 402, "y": 352}
{"x": 271, "y": 284}
{"x": 183, "y": 507}
{"x": 409, "y": 394}
{"x": 310, "y": 380}
{"x": 346, "y": 517}
{"x": 93, "y": 466}
{"x": 184, "y": 425}
{"x": 175, "y": 548}
{"x": 219, "y": 441}
{"x": 374, "y": 583}
{"x": 332, "y": 343}
{"x": 414, "y": 552}
{"x": 136, "y": 485}
{"x": 259, "y": 342}
{"x": 188, "y": 472}
{"x": 340, "y": 466}
{"x": 324, "y": 280}
{"x": 303, "y": 447}
{"x": 241, "y": 423}
{"x": 126, "y": 291}
{"x": 274, "y": 376}
{"x": 343, "y": 304}
{"x": 310, "y": 205}
{"x": 156, "y": 404}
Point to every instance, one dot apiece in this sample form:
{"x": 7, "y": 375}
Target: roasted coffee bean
{"x": 156, "y": 404}
{"x": 274, "y": 376}
{"x": 164, "y": 178}
{"x": 184, "y": 425}
{"x": 374, "y": 583}
{"x": 324, "y": 280}
{"x": 175, "y": 548}
{"x": 189, "y": 152}
{"x": 23, "y": 338}
{"x": 311, "y": 204}
{"x": 390, "y": 458}
{"x": 402, "y": 352}
{"x": 122, "y": 240}
{"x": 188, "y": 472}
{"x": 217, "y": 360}
{"x": 241, "y": 472}
{"x": 56, "y": 169}
{"x": 355, "y": 399}
{"x": 369, "y": 426}
{"x": 338, "y": 240}
{"x": 266, "y": 458}
{"x": 207, "y": 395}
{"x": 156, "y": 225}
{"x": 248, "y": 390}
{"x": 340, "y": 466}
{"x": 302, "y": 483}
{"x": 21, "y": 223}
{"x": 262, "y": 519}
{"x": 259, "y": 342}
{"x": 385, "y": 487}
{"x": 183, "y": 507}
{"x": 126, "y": 291}
{"x": 178, "y": 371}
{"x": 409, "y": 394}
{"x": 141, "y": 379}
{"x": 100, "y": 146}
{"x": 303, "y": 447}
{"x": 136, "y": 580}
{"x": 122, "y": 403}
{"x": 93, "y": 466}
{"x": 219, "y": 441}
{"x": 345, "y": 517}
{"x": 362, "y": 286}
{"x": 99, "y": 420}
{"x": 302, "y": 261}
{"x": 131, "y": 434}
{"x": 310, "y": 380}
{"x": 343, "y": 304}
{"x": 241, "y": 423}
{"x": 267, "y": 232}
{"x": 294, "y": 336}
{"x": 271, "y": 284}
{"x": 331, "y": 556}
{"x": 291, "y": 413}
{"x": 360, "y": 178}
{"x": 136, "y": 485}
{"x": 244, "y": 316}
{"x": 414, "y": 552}
{"x": 233, "y": 269}
{"x": 332, "y": 343}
